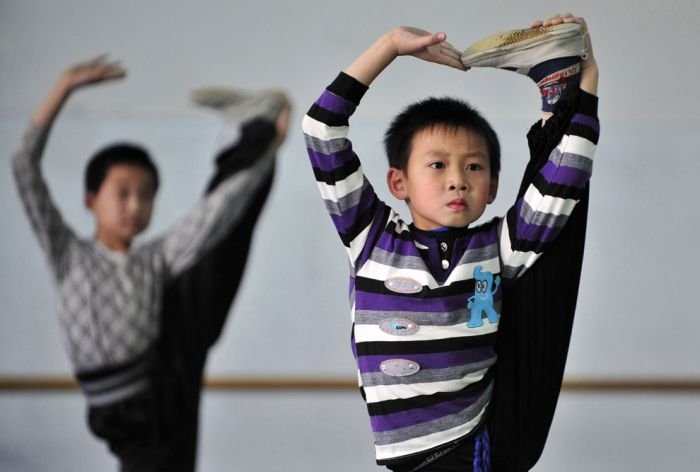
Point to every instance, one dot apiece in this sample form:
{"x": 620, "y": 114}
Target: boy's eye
{"x": 437, "y": 165}
{"x": 473, "y": 167}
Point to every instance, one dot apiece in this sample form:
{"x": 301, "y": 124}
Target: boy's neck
{"x": 113, "y": 243}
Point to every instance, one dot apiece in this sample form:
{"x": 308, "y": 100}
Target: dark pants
{"x": 456, "y": 457}
{"x": 158, "y": 429}
{"x": 533, "y": 340}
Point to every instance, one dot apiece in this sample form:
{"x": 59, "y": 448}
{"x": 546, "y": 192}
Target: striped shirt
{"x": 425, "y": 305}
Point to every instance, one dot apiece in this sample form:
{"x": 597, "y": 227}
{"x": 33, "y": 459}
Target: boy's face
{"x": 447, "y": 181}
{"x": 122, "y": 206}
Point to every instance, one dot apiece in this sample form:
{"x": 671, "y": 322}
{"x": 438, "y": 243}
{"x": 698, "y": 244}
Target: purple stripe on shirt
{"x": 383, "y": 302}
{"x": 569, "y": 176}
{"x": 416, "y": 416}
{"x": 586, "y": 121}
{"x": 390, "y": 242}
{"x": 331, "y": 162}
{"x": 483, "y": 239}
{"x": 350, "y": 216}
{"x": 440, "y": 360}
{"x": 335, "y": 104}
{"x": 532, "y": 232}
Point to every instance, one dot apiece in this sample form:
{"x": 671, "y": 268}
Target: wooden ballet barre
{"x": 220, "y": 383}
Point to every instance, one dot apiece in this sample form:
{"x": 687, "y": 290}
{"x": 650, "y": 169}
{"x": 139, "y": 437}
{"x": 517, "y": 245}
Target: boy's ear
{"x": 89, "y": 200}
{"x": 493, "y": 189}
{"x": 395, "y": 180}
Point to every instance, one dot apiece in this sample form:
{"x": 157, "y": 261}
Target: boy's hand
{"x": 91, "y": 72}
{"x": 403, "y": 41}
{"x": 589, "y": 67}
{"x": 282, "y": 121}
{"x": 431, "y": 47}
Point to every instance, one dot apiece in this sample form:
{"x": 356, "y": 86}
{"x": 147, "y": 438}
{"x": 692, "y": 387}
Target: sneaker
{"x": 522, "y": 49}
{"x": 240, "y": 105}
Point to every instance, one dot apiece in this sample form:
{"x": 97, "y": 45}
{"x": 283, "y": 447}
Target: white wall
{"x": 636, "y": 313}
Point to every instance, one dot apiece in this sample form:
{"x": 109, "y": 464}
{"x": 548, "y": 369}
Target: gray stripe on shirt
{"x": 435, "y": 426}
{"x": 326, "y": 147}
{"x": 347, "y": 202}
{"x": 372, "y": 317}
{"x": 540, "y": 218}
{"x": 572, "y": 160}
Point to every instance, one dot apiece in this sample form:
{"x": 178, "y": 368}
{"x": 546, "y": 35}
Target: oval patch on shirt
{"x": 398, "y": 326}
{"x": 403, "y": 285}
{"x": 399, "y": 367}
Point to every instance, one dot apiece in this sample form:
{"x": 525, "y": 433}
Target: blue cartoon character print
{"x": 482, "y": 301}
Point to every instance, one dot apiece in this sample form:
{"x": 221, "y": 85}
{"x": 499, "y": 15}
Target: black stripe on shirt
{"x": 327, "y": 117}
{"x": 556, "y": 190}
{"x": 393, "y": 406}
{"x": 337, "y": 174}
{"x": 361, "y": 222}
{"x": 583, "y": 131}
{"x": 432, "y": 346}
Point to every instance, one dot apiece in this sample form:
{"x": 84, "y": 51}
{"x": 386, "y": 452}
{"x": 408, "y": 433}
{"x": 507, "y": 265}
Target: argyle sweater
{"x": 425, "y": 305}
{"x": 108, "y": 302}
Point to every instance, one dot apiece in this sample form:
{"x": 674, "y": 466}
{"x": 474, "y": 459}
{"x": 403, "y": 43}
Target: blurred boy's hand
{"x": 93, "y": 71}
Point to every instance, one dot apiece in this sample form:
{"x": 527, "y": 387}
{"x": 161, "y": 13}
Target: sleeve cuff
{"x": 348, "y": 87}
{"x": 588, "y": 104}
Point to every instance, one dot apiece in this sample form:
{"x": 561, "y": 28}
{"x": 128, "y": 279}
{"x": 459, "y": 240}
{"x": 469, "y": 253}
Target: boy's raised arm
{"x": 403, "y": 41}
{"x": 46, "y": 221}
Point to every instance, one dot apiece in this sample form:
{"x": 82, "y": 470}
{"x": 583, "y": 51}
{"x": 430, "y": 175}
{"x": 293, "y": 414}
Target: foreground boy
{"x": 142, "y": 388}
{"x": 426, "y": 296}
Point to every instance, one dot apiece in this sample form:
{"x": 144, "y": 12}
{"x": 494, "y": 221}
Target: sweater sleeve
{"x": 347, "y": 194}
{"x": 46, "y": 221}
{"x": 551, "y": 192}
{"x": 214, "y": 215}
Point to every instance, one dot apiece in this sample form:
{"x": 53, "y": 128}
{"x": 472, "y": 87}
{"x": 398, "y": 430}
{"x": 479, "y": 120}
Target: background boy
{"x": 425, "y": 358}
{"x": 143, "y": 388}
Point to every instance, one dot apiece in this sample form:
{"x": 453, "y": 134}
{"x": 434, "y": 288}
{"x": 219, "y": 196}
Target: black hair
{"x": 433, "y": 111}
{"x": 118, "y": 153}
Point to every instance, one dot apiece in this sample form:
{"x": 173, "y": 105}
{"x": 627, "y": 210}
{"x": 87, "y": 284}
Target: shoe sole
{"x": 219, "y": 96}
{"x": 240, "y": 105}
{"x": 481, "y": 53}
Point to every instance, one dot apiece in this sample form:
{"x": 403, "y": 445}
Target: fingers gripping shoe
{"x": 522, "y": 49}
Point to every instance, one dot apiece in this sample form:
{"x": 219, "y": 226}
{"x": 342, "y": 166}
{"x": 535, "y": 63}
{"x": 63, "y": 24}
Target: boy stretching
{"x": 427, "y": 296}
{"x": 140, "y": 371}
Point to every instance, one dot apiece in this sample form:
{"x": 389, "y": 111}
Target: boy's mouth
{"x": 458, "y": 204}
{"x": 132, "y": 222}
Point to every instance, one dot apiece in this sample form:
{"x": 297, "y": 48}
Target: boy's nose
{"x": 458, "y": 184}
{"x": 133, "y": 205}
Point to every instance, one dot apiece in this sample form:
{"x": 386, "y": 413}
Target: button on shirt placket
{"x": 445, "y": 262}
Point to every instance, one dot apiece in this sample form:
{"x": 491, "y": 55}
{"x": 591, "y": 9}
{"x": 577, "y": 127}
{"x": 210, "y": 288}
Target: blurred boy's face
{"x": 122, "y": 206}
{"x": 447, "y": 181}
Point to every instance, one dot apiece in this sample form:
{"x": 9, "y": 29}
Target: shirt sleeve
{"x": 214, "y": 215}
{"x": 46, "y": 221}
{"x": 552, "y": 191}
{"x": 347, "y": 194}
